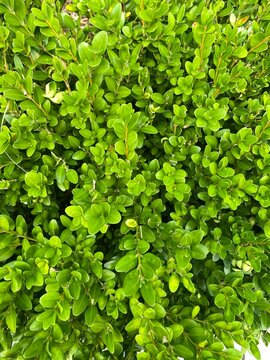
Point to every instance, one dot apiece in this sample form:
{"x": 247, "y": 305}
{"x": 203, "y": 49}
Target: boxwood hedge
{"x": 134, "y": 179}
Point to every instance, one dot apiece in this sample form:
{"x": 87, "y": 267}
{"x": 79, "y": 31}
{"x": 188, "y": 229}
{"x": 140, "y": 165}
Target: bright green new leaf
{"x": 114, "y": 216}
{"x": 100, "y": 42}
{"x": 73, "y": 211}
{"x": 11, "y": 319}
{"x": 33, "y": 179}
{"x": 60, "y": 173}
{"x": 49, "y": 299}
{"x": 174, "y": 282}
{"x": 220, "y": 301}
{"x": 95, "y": 218}
{"x": 72, "y": 176}
{"x": 4, "y": 224}
{"x": 267, "y": 228}
{"x": 127, "y": 262}
{"x": 131, "y": 283}
{"x": 120, "y": 147}
{"x": 240, "y": 52}
{"x": 148, "y": 294}
{"x": 183, "y": 351}
{"x": 199, "y": 251}
{"x": 84, "y": 51}
{"x": 258, "y": 42}
{"x": 188, "y": 284}
{"x": 14, "y": 94}
{"x": 133, "y": 325}
{"x": 182, "y": 257}
{"x": 80, "y": 304}
{"x": 131, "y": 223}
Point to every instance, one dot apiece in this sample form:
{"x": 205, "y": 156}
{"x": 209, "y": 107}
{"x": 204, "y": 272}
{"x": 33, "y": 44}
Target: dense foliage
{"x": 134, "y": 179}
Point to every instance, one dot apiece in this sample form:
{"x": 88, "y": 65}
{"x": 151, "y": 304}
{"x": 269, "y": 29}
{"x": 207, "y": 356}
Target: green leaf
{"x": 100, "y": 42}
{"x": 50, "y": 299}
{"x": 240, "y": 52}
{"x": 215, "y": 115}
{"x": 73, "y": 211}
{"x": 258, "y": 42}
{"x": 4, "y": 224}
{"x": 64, "y": 313}
{"x": 132, "y": 140}
{"x": 233, "y": 354}
{"x": 255, "y": 350}
{"x": 195, "y": 311}
{"x": 188, "y": 284}
{"x": 80, "y": 304}
{"x": 4, "y": 139}
{"x": 6, "y": 253}
{"x": 192, "y": 237}
{"x": 21, "y": 144}
{"x": 182, "y": 256}
{"x": 14, "y": 94}
{"x": 90, "y": 315}
{"x": 147, "y": 269}
{"x": 23, "y": 302}
{"x": 220, "y": 301}
{"x": 35, "y": 349}
{"x": 120, "y": 147}
{"x": 72, "y": 176}
{"x": 183, "y": 351}
{"x": 84, "y": 51}
{"x": 114, "y": 216}
{"x": 123, "y": 92}
{"x": 96, "y": 267}
{"x": 131, "y": 283}
{"x": 149, "y": 129}
{"x": 199, "y": 251}
{"x": 109, "y": 342}
{"x": 142, "y": 340}
{"x": 158, "y": 98}
{"x": 225, "y": 172}
{"x": 148, "y": 294}
{"x": 119, "y": 128}
{"x": 97, "y": 327}
{"x": 133, "y": 325}
{"x": 11, "y": 318}
{"x": 56, "y": 352}
{"x": 177, "y": 330}
{"x": 60, "y": 173}
{"x": 95, "y": 218}
{"x": 79, "y": 155}
{"x": 151, "y": 260}
{"x": 198, "y": 334}
{"x": 174, "y": 282}
{"x": 127, "y": 262}
{"x": 266, "y": 228}
{"x": 131, "y": 223}
{"x": 33, "y": 179}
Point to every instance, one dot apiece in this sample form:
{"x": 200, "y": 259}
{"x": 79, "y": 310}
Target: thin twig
{"x": 10, "y": 158}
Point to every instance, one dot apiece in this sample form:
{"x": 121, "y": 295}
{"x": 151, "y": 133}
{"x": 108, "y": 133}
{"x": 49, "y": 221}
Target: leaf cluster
{"x": 134, "y": 179}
